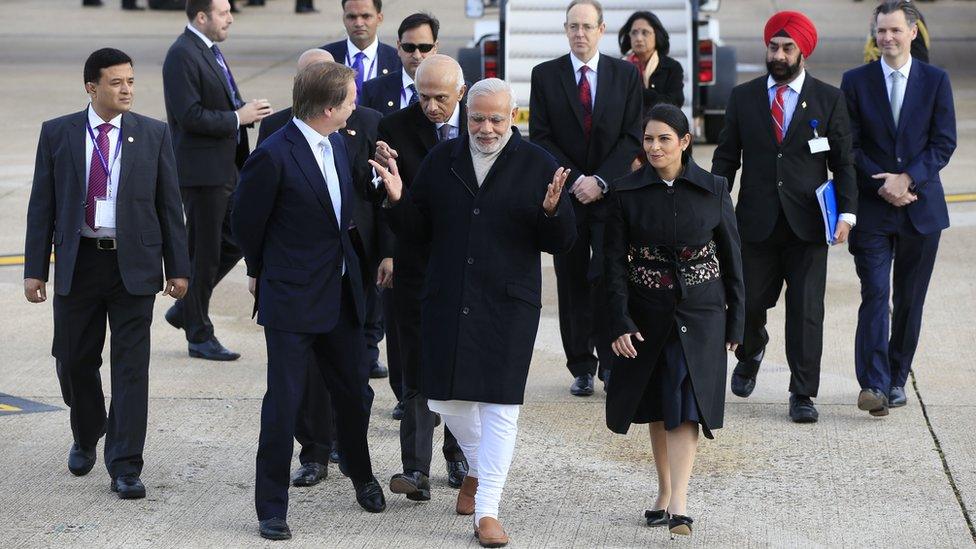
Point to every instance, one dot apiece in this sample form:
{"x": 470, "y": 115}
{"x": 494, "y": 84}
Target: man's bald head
{"x": 440, "y": 69}
{"x": 313, "y": 56}
{"x": 440, "y": 86}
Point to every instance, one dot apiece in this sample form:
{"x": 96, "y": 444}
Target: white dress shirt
{"x": 369, "y": 61}
{"x": 114, "y": 167}
{"x": 405, "y": 92}
{"x": 209, "y": 43}
{"x": 322, "y": 151}
{"x": 590, "y": 74}
{"x": 454, "y": 121}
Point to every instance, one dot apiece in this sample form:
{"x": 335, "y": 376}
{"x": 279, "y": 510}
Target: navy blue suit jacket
{"x": 387, "y": 60}
{"x": 920, "y": 146}
{"x": 383, "y": 92}
{"x": 293, "y": 244}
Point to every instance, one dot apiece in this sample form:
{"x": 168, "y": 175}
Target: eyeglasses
{"x": 410, "y": 48}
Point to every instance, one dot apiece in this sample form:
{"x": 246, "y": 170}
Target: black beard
{"x": 782, "y": 71}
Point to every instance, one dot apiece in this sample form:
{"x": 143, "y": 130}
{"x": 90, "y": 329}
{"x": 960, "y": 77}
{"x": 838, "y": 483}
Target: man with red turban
{"x": 790, "y": 133}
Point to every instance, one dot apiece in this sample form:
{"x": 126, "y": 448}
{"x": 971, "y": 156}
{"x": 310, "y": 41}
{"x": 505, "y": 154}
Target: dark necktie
{"x": 238, "y": 101}
{"x": 586, "y": 99}
{"x": 357, "y": 66}
{"x": 444, "y": 132}
{"x": 778, "y": 109}
{"x": 97, "y": 176}
{"x": 413, "y": 94}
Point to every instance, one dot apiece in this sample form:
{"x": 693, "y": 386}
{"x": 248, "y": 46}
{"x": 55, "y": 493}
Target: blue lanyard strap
{"x": 371, "y": 65}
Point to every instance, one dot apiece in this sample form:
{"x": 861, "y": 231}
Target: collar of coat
{"x": 648, "y": 176}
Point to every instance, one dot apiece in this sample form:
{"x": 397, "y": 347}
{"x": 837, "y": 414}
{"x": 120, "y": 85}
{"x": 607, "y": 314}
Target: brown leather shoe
{"x": 490, "y": 533}
{"x": 465, "y": 497}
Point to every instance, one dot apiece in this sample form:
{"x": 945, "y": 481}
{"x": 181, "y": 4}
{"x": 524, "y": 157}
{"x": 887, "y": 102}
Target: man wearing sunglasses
{"x": 416, "y": 41}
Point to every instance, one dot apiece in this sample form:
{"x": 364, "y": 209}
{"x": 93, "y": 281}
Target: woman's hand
{"x": 731, "y": 345}
{"x": 622, "y": 346}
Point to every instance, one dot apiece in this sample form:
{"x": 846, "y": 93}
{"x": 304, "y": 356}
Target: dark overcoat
{"x": 707, "y": 310}
{"x": 483, "y": 288}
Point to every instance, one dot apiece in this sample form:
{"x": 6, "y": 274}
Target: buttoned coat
{"x": 483, "y": 289}
{"x": 644, "y": 212}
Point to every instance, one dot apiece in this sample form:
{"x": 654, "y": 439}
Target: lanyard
{"x": 101, "y": 158}
{"x": 371, "y": 65}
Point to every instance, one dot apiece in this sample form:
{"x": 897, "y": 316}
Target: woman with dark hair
{"x": 645, "y": 43}
{"x": 674, "y": 279}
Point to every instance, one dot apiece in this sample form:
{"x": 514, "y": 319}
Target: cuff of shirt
{"x": 848, "y": 218}
{"x": 377, "y": 180}
{"x": 238, "y": 119}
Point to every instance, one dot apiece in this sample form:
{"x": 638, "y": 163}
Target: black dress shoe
{"x": 129, "y": 487}
{"x": 274, "y": 528}
{"x": 413, "y": 484}
{"x": 80, "y": 460}
{"x": 310, "y": 474}
{"x": 582, "y": 386}
{"x": 873, "y": 402}
{"x": 397, "y": 413}
{"x": 378, "y": 371}
{"x": 456, "y": 471}
{"x": 306, "y": 9}
{"x": 334, "y": 456}
{"x": 802, "y": 410}
{"x": 92, "y": 3}
{"x": 212, "y": 350}
{"x": 132, "y": 7}
{"x": 680, "y": 525}
{"x": 897, "y": 397}
{"x": 744, "y": 375}
{"x": 370, "y": 496}
{"x": 659, "y": 517}
{"x": 174, "y": 316}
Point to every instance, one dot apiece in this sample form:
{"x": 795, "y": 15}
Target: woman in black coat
{"x": 644, "y": 42}
{"x": 674, "y": 277}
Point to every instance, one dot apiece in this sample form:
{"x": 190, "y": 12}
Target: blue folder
{"x": 827, "y": 199}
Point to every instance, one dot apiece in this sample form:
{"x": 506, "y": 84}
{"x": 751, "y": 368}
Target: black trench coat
{"x": 483, "y": 290}
{"x": 644, "y": 212}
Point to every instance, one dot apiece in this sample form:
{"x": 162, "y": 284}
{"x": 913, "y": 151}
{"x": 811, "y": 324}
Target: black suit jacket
{"x": 360, "y": 137}
{"x": 200, "y": 111}
{"x": 149, "y": 213}
{"x": 412, "y": 135}
{"x": 667, "y": 85}
{"x": 556, "y": 121}
{"x": 387, "y": 60}
{"x": 383, "y": 93}
{"x": 785, "y": 176}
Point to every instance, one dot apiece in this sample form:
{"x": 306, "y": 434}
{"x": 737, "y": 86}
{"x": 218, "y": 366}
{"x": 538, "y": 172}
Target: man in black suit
{"x": 408, "y": 135}
{"x": 788, "y": 128}
{"x": 314, "y": 429}
{"x": 585, "y": 109}
{"x": 208, "y": 119}
{"x": 416, "y": 41}
{"x": 106, "y": 194}
{"x": 126, "y": 4}
{"x": 361, "y": 50}
{"x": 294, "y": 217}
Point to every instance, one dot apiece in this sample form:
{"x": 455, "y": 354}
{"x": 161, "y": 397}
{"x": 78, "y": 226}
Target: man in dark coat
{"x": 786, "y": 130}
{"x": 483, "y": 203}
{"x": 416, "y": 41}
{"x": 361, "y": 50}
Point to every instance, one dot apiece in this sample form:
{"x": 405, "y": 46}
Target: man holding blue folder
{"x": 904, "y": 130}
{"x": 789, "y": 129}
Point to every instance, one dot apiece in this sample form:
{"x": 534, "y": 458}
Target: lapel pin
{"x": 131, "y": 140}
{"x": 813, "y": 124}
{"x": 385, "y": 71}
{"x": 351, "y": 132}
{"x": 389, "y": 104}
{"x": 804, "y": 104}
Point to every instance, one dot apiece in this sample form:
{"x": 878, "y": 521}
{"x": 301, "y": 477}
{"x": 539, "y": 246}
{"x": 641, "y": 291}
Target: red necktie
{"x": 97, "y": 176}
{"x": 777, "y": 110}
{"x": 586, "y": 99}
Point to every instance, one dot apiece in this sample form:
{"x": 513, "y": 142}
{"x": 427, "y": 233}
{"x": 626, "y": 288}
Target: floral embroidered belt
{"x": 662, "y": 267}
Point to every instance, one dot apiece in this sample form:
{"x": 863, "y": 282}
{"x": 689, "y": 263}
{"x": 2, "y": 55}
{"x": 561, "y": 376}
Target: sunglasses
{"x": 410, "y": 48}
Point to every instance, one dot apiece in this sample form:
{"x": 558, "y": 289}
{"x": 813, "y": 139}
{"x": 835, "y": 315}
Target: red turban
{"x": 794, "y": 25}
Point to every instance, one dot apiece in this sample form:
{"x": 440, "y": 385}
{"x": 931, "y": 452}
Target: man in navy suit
{"x": 904, "y": 131}
{"x": 416, "y": 41}
{"x": 361, "y": 50}
{"x": 293, "y": 218}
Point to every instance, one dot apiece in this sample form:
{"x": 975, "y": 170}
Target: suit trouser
{"x": 97, "y": 292}
{"x": 338, "y": 355}
{"x": 374, "y": 326}
{"x": 213, "y": 253}
{"x": 802, "y": 265}
{"x": 583, "y": 317}
{"x": 886, "y": 339}
{"x": 392, "y": 342}
{"x": 417, "y": 425}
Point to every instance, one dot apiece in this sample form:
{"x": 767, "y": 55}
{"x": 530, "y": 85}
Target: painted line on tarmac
{"x": 13, "y": 260}
{"x": 960, "y": 197}
{"x": 11, "y": 405}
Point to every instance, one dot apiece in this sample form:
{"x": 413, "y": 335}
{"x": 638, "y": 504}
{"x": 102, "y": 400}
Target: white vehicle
{"x": 527, "y": 32}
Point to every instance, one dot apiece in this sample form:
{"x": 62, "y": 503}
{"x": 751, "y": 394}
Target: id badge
{"x": 819, "y": 145}
{"x": 105, "y": 213}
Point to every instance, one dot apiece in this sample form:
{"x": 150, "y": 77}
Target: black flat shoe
{"x": 802, "y": 409}
{"x": 873, "y": 402}
{"x": 378, "y": 371}
{"x": 370, "y": 496}
{"x": 212, "y": 350}
{"x": 274, "y": 529}
{"x": 582, "y": 385}
{"x": 680, "y": 525}
{"x": 174, "y": 316}
{"x": 897, "y": 397}
{"x": 397, "y": 413}
{"x": 659, "y": 517}
{"x": 310, "y": 474}
{"x": 129, "y": 487}
{"x": 80, "y": 460}
{"x": 456, "y": 471}
{"x": 414, "y": 484}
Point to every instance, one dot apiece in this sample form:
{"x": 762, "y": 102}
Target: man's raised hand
{"x": 554, "y": 191}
